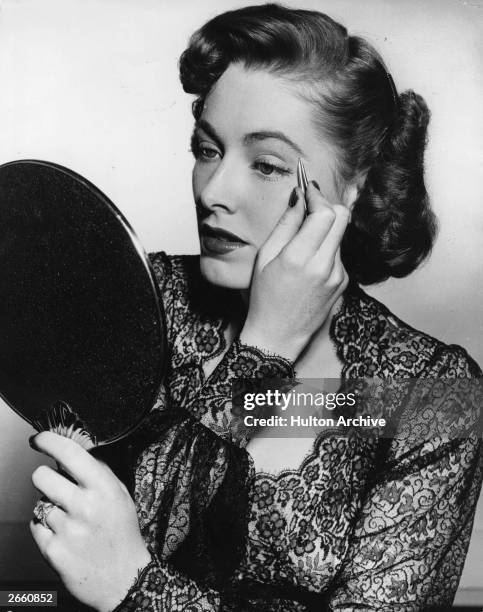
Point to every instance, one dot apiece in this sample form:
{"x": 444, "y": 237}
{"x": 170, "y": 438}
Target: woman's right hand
{"x": 298, "y": 276}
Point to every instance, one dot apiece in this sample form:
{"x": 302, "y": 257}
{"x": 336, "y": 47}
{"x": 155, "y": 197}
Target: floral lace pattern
{"x": 363, "y": 523}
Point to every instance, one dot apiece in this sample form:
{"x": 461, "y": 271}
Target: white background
{"x": 93, "y": 85}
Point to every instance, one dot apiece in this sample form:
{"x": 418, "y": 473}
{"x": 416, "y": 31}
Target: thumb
{"x": 286, "y": 228}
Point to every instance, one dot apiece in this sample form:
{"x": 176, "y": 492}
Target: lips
{"x": 217, "y": 241}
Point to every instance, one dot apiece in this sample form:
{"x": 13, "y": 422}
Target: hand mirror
{"x": 82, "y": 334}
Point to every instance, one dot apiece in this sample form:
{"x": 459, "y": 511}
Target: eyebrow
{"x": 266, "y": 134}
{"x": 252, "y": 136}
{"x": 209, "y": 129}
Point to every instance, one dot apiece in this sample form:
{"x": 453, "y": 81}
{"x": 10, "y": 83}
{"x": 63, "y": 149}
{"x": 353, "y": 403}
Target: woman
{"x": 225, "y": 520}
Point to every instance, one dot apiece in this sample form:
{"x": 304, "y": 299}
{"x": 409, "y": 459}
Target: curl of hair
{"x": 379, "y": 136}
{"x": 393, "y": 227}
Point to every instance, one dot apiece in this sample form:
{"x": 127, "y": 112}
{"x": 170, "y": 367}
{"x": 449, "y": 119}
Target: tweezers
{"x": 302, "y": 180}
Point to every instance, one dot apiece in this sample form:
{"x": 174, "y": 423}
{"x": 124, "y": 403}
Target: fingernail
{"x": 294, "y": 196}
{"x": 315, "y": 184}
{"x": 32, "y": 441}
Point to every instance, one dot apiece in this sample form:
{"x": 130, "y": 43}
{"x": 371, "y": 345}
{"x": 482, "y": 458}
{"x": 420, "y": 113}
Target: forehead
{"x": 246, "y": 100}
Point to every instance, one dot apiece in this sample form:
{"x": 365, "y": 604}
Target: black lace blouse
{"x": 363, "y": 523}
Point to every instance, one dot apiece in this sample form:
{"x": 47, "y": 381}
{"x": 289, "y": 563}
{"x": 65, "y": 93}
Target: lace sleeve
{"x": 160, "y": 588}
{"x": 410, "y": 540}
{"x": 213, "y": 404}
{"x": 164, "y": 273}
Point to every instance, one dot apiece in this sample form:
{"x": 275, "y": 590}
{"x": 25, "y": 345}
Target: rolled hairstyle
{"x": 376, "y": 133}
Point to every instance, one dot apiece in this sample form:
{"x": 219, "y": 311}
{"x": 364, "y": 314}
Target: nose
{"x": 221, "y": 190}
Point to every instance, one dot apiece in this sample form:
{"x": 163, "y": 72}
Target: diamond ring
{"x": 42, "y": 510}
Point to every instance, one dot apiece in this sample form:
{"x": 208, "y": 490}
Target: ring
{"x": 41, "y": 512}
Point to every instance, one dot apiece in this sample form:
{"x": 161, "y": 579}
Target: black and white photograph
{"x": 241, "y": 289}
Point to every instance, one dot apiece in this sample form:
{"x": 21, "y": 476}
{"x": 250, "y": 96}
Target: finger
{"x": 53, "y": 517}
{"x": 315, "y": 198}
{"x": 74, "y": 459}
{"x": 317, "y": 224}
{"x": 338, "y": 278}
{"x": 41, "y": 535}
{"x": 58, "y": 489}
{"x": 56, "y": 519}
{"x": 332, "y": 241}
{"x": 47, "y": 542}
{"x": 338, "y": 270}
{"x": 286, "y": 228}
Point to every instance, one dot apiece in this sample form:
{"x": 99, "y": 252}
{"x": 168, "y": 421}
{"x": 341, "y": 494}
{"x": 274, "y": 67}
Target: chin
{"x": 226, "y": 273}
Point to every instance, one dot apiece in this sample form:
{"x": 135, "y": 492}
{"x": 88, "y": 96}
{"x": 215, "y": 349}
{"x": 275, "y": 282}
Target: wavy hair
{"x": 377, "y": 134}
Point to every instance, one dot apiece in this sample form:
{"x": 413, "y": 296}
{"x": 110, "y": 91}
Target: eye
{"x": 203, "y": 151}
{"x": 269, "y": 170}
{"x": 265, "y": 168}
{"x": 207, "y": 152}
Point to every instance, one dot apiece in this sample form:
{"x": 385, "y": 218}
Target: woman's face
{"x": 247, "y": 142}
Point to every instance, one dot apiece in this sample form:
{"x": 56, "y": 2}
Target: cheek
{"x": 256, "y": 205}
{"x": 198, "y": 181}
{"x": 269, "y": 206}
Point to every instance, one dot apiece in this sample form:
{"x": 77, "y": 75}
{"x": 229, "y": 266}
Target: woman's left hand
{"x": 92, "y": 538}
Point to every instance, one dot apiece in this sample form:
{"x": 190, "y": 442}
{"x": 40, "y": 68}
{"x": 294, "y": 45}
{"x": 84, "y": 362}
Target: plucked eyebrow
{"x": 266, "y": 134}
{"x": 204, "y": 125}
{"x": 252, "y": 136}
